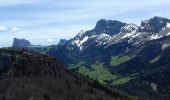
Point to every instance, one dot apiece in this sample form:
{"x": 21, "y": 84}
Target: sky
{"x": 45, "y": 22}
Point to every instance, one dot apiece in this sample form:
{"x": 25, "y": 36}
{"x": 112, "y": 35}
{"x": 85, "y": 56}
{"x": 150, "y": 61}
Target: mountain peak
{"x": 80, "y": 34}
{"x": 21, "y": 43}
{"x": 110, "y": 27}
{"x": 62, "y": 41}
{"x": 108, "y": 23}
{"x": 159, "y": 18}
{"x": 155, "y": 24}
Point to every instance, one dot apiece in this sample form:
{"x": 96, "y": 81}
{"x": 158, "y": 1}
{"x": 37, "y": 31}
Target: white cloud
{"x": 15, "y": 2}
{"x": 50, "y": 40}
{"x": 3, "y": 28}
{"x": 14, "y": 29}
{"x": 46, "y": 21}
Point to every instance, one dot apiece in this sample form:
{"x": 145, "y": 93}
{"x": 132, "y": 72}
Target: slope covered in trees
{"x": 26, "y": 76}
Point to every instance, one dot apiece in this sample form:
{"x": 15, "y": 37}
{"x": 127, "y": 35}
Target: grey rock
{"x": 21, "y": 43}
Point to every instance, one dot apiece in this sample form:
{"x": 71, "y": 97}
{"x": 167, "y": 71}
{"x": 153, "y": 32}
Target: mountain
{"x": 121, "y": 55}
{"x": 26, "y": 76}
{"x": 21, "y": 43}
{"x": 155, "y": 24}
{"x": 147, "y": 67}
{"x": 109, "y": 38}
{"x": 107, "y": 33}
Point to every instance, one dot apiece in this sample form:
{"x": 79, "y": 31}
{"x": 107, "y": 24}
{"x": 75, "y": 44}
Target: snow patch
{"x": 128, "y": 34}
{"x": 104, "y": 35}
{"x": 129, "y": 30}
{"x": 84, "y": 40}
{"x": 154, "y": 86}
{"x": 142, "y": 27}
{"x": 165, "y": 45}
{"x": 101, "y": 39}
{"x": 168, "y": 25}
{"x": 80, "y": 42}
{"x": 135, "y": 35}
{"x": 153, "y": 37}
{"x": 130, "y": 27}
{"x": 168, "y": 34}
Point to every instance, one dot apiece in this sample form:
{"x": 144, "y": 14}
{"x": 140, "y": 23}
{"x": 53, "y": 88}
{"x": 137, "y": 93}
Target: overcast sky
{"x": 46, "y": 21}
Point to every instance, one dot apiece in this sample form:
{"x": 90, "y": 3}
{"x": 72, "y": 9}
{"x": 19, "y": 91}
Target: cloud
{"x": 17, "y": 2}
{"x": 45, "y": 21}
{"x": 50, "y": 40}
{"x": 3, "y": 28}
{"x": 14, "y": 29}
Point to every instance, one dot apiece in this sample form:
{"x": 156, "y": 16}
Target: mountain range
{"x": 125, "y": 56}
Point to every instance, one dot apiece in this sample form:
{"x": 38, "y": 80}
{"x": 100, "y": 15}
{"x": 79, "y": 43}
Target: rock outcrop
{"x": 21, "y": 43}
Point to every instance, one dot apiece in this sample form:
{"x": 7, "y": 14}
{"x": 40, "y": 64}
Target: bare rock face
{"x": 62, "y": 41}
{"x": 155, "y": 24}
{"x": 21, "y": 43}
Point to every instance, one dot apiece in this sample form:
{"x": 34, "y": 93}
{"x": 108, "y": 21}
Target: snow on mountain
{"x": 80, "y": 42}
{"x": 80, "y": 34}
{"x": 168, "y": 34}
{"x": 135, "y": 35}
{"x": 168, "y": 25}
{"x": 101, "y": 39}
{"x": 155, "y": 36}
{"x": 165, "y": 45}
{"x": 102, "y": 36}
{"x": 129, "y": 34}
{"x": 108, "y": 32}
{"x": 79, "y": 39}
{"x": 129, "y": 30}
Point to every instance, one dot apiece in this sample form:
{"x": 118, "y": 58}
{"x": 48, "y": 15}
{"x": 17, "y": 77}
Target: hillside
{"x": 122, "y": 55}
{"x": 26, "y": 76}
{"x": 150, "y": 70}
